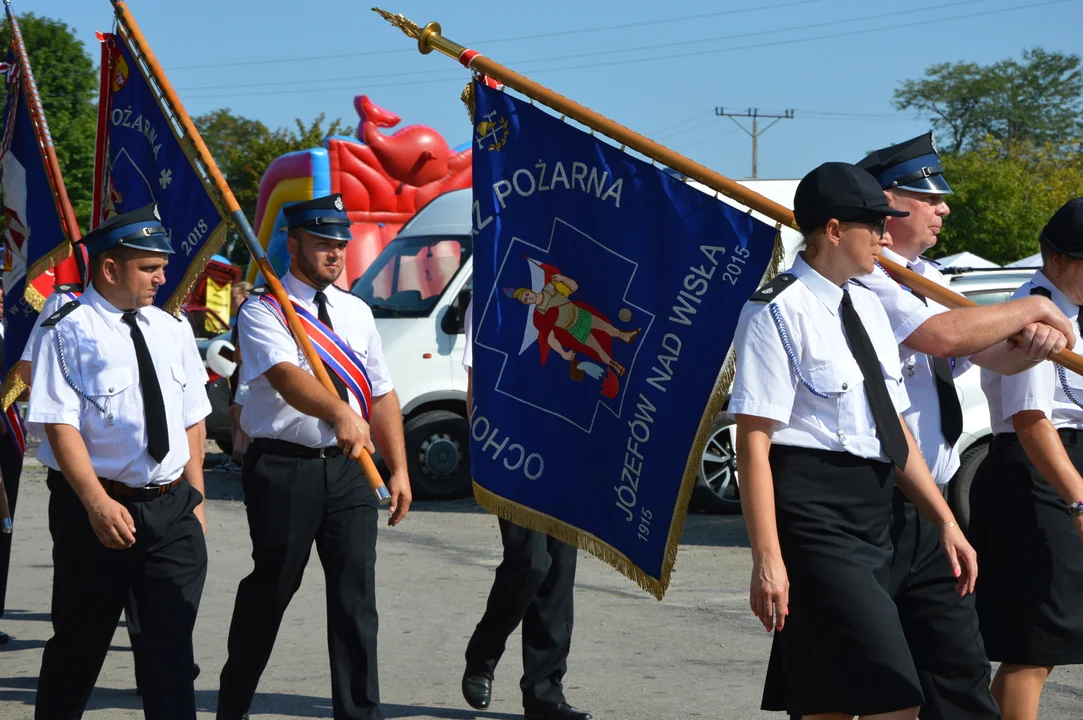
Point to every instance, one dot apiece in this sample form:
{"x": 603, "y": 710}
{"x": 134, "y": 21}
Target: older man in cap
{"x": 118, "y": 394}
{"x": 301, "y": 479}
{"x": 937, "y": 345}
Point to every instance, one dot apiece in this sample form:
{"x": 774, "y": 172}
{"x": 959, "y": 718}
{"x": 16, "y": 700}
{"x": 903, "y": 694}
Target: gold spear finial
{"x": 402, "y": 22}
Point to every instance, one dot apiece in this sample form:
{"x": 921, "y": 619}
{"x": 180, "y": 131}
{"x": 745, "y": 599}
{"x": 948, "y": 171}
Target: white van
{"x": 418, "y": 288}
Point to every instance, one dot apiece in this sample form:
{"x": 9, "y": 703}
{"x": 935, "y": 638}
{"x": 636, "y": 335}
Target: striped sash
{"x": 333, "y": 350}
{"x": 16, "y": 428}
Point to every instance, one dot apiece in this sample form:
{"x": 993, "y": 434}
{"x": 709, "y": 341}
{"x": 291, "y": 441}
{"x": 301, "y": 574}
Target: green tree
{"x": 68, "y": 86}
{"x": 244, "y": 148}
{"x": 1005, "y": 192}
{"x": 1038, "y": 100}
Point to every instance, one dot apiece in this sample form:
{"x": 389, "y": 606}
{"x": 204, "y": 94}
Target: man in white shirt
{"x": 118, "y": 395}
{"x": 301, "y": 479}
{"x": 941, "y": 627}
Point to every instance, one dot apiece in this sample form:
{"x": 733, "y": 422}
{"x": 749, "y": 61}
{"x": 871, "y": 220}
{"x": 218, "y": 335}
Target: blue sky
{"x": 659, "y": 68}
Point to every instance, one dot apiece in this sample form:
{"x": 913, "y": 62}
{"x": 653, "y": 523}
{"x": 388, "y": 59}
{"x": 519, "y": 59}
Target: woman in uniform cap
{"x": 1025, "y": 503}
{"x": 817, "y": 397}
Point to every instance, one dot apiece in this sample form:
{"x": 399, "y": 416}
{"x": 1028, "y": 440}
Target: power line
{"x": 496, "y": 41}
{"x": 610, "y": 52}
{"x": 791, "y": 41}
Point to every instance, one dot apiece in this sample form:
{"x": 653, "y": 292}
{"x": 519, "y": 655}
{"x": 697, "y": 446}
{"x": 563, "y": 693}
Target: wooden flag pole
{"x": 52, "y": 165}
{"x": 131, "y": 28}
{"x": 429, "y": 38}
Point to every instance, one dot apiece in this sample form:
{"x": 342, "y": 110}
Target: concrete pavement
{"x": 698, "y": 654}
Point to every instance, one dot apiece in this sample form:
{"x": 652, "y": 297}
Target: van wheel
{"x": 959, "y": 487}
{"x": 437, "y": 447}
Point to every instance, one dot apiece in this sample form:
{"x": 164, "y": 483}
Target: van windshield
{"x": 409, "y": 276}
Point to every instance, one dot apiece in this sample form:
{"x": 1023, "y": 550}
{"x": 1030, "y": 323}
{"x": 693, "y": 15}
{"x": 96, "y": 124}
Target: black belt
{"x": 147, "y": 492}
{"x": 285, "y": 448}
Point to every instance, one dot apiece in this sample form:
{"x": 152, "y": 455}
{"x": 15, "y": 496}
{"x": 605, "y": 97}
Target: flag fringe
{"x": 12, "y": 388}
{"x": 540, "y": 522}
{"x": 196, "y": 267}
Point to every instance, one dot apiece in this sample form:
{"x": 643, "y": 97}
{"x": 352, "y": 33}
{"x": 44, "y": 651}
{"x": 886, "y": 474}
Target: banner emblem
{"x": 493, "y": 132}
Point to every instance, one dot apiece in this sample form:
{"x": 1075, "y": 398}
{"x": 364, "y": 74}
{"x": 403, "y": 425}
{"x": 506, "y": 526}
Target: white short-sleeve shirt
{"x": 906, "y": 313}
{"x": 468, "y": 330}
{"x": 265, "y": 342}
{"x": 85, "y": 374}
{"x": 54, "y": 302}
{"x": 766, "y": 384}
{"x": 1040, "y": 387}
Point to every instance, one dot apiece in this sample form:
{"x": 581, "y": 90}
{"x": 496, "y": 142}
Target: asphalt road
{"x": 697, "y": 654}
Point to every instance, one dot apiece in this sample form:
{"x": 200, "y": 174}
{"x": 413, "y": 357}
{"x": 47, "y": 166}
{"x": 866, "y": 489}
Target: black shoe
{"x": 478, "y": 689}
{"x": 195, "y": 670}
{"x": 560, "y": 711}
{"x": 4, "y": 638}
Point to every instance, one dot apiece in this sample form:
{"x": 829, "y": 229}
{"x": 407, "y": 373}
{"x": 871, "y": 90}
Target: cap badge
{"x": 338, "y": 203}
{"x": 156, "y": 215}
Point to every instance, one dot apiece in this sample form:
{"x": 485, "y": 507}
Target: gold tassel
{"x": 468, "y": 99}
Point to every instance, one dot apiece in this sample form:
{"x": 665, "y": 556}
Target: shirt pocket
{"x": 178, "y": 375}
{"x": 104, "y": 389}
{"x": 846, "y": 410}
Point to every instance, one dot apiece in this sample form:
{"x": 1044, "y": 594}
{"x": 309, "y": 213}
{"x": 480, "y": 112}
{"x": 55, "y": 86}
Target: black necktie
{"x": 153, "y": 404}
{"x": 888, "y": 427}
{"x": 951, "y": 412}
{"x": 321, "y": 313}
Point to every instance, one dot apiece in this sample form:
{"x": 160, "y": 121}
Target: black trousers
{"x": 533, "y": 586}
{"x": 11, "y": 466}
{"x": 164, "y": 571}
{"x": 941, "y": 628}
{"x": 290, "y": 503}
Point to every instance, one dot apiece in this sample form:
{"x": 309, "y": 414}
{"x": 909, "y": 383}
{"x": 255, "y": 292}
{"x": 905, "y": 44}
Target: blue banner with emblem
{"x": 142, "y": 159}
{"x": 34, "y": 234}
{"x": 607, "y": 292}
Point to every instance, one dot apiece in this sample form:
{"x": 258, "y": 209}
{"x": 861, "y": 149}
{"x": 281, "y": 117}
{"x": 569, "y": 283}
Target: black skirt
{"x": 1030, "y": 559}
{"x": 843, "y": 648}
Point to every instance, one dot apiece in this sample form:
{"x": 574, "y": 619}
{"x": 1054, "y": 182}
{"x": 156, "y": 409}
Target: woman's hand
{"x": 963, "y": 558}
{"x": 769, "y": 595}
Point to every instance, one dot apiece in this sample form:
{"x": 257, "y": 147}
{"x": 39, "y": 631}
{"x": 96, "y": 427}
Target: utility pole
{"x": 755, "y": 114}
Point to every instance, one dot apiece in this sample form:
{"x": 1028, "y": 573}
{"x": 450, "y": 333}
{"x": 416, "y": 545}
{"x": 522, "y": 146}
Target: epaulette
{"x": 772, "y": 289}
{"x": 68, "y": 287}
{"x": 1039, "y": 290}
{"x": 60, "y": 314}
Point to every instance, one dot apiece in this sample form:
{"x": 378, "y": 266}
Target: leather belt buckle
{"x": 331, "y": 451}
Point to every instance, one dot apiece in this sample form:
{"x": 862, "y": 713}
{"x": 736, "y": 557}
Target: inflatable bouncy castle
{"x": 384, "y": 180}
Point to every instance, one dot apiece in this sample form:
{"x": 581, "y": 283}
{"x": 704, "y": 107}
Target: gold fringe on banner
{"x": 210, "y": 247}
{"x": 533, "y": 520}
{"x": 12, "y": 388}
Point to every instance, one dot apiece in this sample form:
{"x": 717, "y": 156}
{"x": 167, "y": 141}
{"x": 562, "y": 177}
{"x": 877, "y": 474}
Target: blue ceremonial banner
{"x": 142, "y": 159}
{"x": 34, "y": 234}
{"x": 607, "y": 293}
